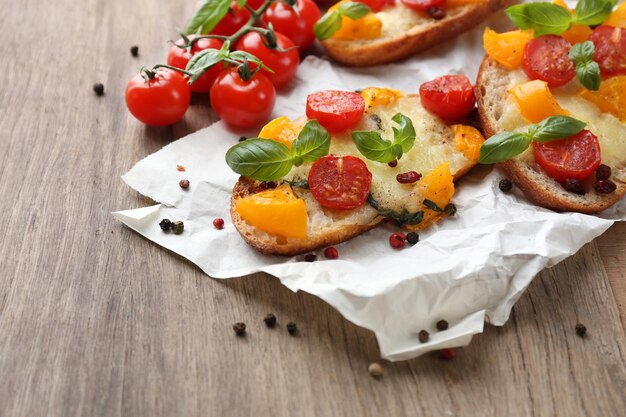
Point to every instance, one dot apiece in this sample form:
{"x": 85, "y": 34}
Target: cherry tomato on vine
{"x": 283, "y": 63}
{"x": 178, "y": 57}
{"x": 336, "y": 110}
{"x": 546, "y": 58}
{"x": 340, "y": 182}
{"x": 161, "y": 101}
{"x": 234, "y": 20}
{"x": 423, "y": 5}
{"x": 296, "y": 26}
{"x": 576, "y": 157}
{"x": 450, "y": 97}
{"x": 255, "y": 4}
{"x": 610, "y": 54}
{"x": 242, "y": 103}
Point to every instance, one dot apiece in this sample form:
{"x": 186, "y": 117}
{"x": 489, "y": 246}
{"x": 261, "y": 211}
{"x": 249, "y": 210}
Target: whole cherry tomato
{"x": 576, "y": 157}
{"x": 234, "y": 20}
{"x": 423, "y": 5}
{"x": 255, "y": 4}
{"x": 242, "y": 103}
{"x": 340, "y": 182}
{"x": 160, "y": 101}
{"x": 284, "y": 63}
{"x": 546, "y": 58}
{"x": 450, "y": 97}
{"x": 297, "y": 26}
{"x": 334, "y": 109}
{"x": 610, "y": 54}
{"x": 179, "y": 57}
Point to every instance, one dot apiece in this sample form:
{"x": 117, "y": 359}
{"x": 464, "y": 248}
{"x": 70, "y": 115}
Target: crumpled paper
{"x": 467, "y": 270}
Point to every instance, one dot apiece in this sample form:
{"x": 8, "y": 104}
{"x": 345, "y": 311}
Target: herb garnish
{"x": 402, "y": 218}
{"x": 375, "y": 148}
{"x": 331, "y": 22}
{"x": 587, "y": 70}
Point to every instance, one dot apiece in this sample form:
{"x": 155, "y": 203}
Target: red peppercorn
{"x": 218, "y": 223}
{"x": 184, "y": 184}
{"x": 447, "y": 353}
{"x": 331, "y": 252}
{"x": 397, "y": 240}
{"x": 393, "y": 163}
{"x": 408, "y": 177}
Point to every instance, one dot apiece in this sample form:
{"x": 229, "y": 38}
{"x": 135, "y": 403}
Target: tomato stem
{"x": 172, "y": 68}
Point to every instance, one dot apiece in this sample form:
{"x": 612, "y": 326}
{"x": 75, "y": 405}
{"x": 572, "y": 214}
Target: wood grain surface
{"x": 97, "y": 321}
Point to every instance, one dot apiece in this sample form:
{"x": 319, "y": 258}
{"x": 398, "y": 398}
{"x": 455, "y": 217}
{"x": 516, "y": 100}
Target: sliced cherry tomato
{"x": 450, "y": 97}
{"x": 297, "y": 26}
{"x": 375, "y": 5}
{"x": 284, "y": 63}
{"x": 423, "y": 5}
{"x": 178, "y": 57}
{"x": 233, "y": 21}
{"x": 340, "y": 182}
{"x": 161, "y": 101}
{"x": 334, "y": 109}
{"x": 242, "y": 103}
{"x": 546, "y": 58}
{"x": 576, "y": 157}
{"x": 255, "y": 4}
{"x": 610, "y": 43}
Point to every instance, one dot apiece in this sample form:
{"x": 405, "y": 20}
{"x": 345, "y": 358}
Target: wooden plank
{"x": 95, "y": 320}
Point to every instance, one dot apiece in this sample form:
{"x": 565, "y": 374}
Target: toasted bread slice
{"x": 406, "y": 32}
{"x": 498, "y": 113}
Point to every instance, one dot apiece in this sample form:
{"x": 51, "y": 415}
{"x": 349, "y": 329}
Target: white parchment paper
{"x": 469, "y": 269}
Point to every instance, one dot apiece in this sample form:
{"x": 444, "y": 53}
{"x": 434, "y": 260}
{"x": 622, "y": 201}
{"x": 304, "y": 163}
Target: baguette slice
{"x": 398, "y": 42}
{"x": 492, "y": 95}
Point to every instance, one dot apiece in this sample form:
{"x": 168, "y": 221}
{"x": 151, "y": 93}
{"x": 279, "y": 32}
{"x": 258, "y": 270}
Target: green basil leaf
{"x": 404, "y": 134}
{"x": 588, "y": 74}
{"x": 260, "y": 159}
{"x": 503, "y": 146}
{"x": 327, "y": 25}
{"x": 373, "y": 146}
{"x": 202, "y": 61}
{"x": 312, "y": 142}
{"x": 582, "y": 52}
{"x": 432, "y": 205}
{"x": 592, "y": 12}
{"x": 207, "y": 16}
{"x": 555, "y": 127}
{"x": 544, "y": 18}
{"x": 354, "y": 10}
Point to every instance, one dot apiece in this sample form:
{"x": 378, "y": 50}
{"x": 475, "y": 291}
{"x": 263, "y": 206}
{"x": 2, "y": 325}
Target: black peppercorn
{"x": 450, "y": 209}
{"x": 239, "y": 328}
{"x": 581, "y": 330}
{"x": 242, "y": 138}
{"x": 442, "y": 325}
{"x": 310, "y": 257}
{"x": 505, "y": 185}
{"x": 270, "y": 320}
{"x": 423, "y": 336}
{"x": 178, "y": 227}
{"x": 291, "y": 328}
{"x": 436, "y": 13}
{"x": 134, "y": 50}
{"x": 412, "y": 238}
{"x": 166, "y": 225}
{"x": 605, "y": 186}
{"x": 603, "y": 172}
{"x": 184, "y": 184}
{"x": 98, "y": 88}
{"x": 574, "y": 186}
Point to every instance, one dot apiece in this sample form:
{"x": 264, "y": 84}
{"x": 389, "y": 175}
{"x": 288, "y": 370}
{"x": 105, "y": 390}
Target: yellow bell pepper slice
{"x": 281, "y": 130}
{"x": 366, "y": 27}
{"x": 535, "y": 101}
{"x": 468, "y": 140}
{"x": 375, "y": 96}
{"x": 576, "y": 33}
{"x": 611, "y": 97}
{"x": 618, "y": 17}
{"x": 507, "y": 48}
{"x": 438, "y": 187}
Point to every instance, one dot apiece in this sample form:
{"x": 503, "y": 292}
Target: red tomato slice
{"x": 423, "y": 5}
{"x": 610, "y": 43}
{"x": 576, "y": 157}
{"x": 375, "y": 5}
{"x": 340, "y": 182}
{"x": 335, "y": 110}
{"x": 449, "y": 97}
{"x": 546, "y": 58}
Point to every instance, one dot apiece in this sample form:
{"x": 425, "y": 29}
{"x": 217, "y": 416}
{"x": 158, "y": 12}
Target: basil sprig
{"x": 403, "y": 217}
{"x": 550, "y": 19}
{"x": 587, "y": 70}
{"x": 207, "y": 16}
{"x": 268, "y": 160}
{"x": 331, "y": 22}
{"x": 375, "y": 148}
{"x": 506, "y": 145}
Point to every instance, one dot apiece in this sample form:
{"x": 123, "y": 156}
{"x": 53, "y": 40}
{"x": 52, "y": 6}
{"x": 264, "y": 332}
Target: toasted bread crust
{"x": 536, "y": 185}
{"x": 361, "y": 53}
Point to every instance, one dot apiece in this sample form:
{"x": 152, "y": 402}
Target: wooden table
{"x": 97, "y": 321}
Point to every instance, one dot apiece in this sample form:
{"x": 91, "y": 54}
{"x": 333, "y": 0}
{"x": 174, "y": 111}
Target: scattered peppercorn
{"x": 442, "y": 325}
{"x": 408, "y": 177}
{"x": 375, "y": 369}
{"x": 291, "y": 328}
{"x": 505, "y": 185}
{"x": 331, "y": 252}
{"x": 178, "y": 227}
{"x": 239, "y": 328}
{"x": 218, "y": 223}
{"x": 310, "y": 257}
{"x": 242, "y": 138}
{"x": 603, "y": 172}
{"x": 605, "y": 186}
{"x": 184, "y": 184}
{"x": 423, "y": 336}
{"x": 393, "y": 163}
{"x": 180, "y": 168}
{"x": 412, "y": 238}
{"x": 574, "y": 186}
{"x": 166, "y": 225}
{"x": 581, "y": 330}
{"x": 397, "y": 240}
{"x": 98, "y": 88}
{"x": 134, "y": 51}
{"x": 270, "y": 320}
{"x": 436, "y": 13}
{"x": 446, "y": 354}
{"x": 450, "y": 209}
